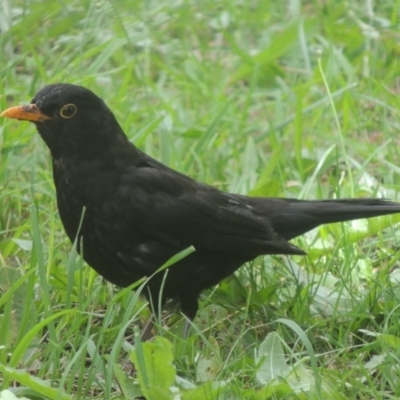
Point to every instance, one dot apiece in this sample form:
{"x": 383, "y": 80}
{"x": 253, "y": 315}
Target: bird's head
{"x": 71, "y": 119}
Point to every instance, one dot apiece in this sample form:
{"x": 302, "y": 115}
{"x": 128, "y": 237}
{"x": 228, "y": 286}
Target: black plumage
{"x": 139, "y": 213}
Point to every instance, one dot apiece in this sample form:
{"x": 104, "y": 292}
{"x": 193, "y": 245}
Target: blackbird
{"x": 131, "y": 214}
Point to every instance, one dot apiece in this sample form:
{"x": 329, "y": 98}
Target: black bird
{"x": 139, "y": 213}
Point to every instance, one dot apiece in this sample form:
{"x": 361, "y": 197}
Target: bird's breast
{"x": 74, "y": 187}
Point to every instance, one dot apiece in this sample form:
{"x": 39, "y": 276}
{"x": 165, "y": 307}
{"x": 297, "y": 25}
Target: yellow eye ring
{"x": 68, "y": 111}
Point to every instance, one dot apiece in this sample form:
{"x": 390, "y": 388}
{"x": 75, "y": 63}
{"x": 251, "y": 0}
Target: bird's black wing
{"x": 215, "y": 221}
{"x": 162, "y": 212}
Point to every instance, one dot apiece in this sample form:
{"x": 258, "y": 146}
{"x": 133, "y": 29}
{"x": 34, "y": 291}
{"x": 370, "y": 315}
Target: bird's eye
{"x": 68, "y": 111}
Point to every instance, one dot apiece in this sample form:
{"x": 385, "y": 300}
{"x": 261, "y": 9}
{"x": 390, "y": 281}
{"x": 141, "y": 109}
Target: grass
{"x": 293, "y": 99}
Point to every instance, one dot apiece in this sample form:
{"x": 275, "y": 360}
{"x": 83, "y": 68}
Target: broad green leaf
{"x": 40, "y": 386}
{"x": 156, "y": 372}
{"x": 271, "y": 359}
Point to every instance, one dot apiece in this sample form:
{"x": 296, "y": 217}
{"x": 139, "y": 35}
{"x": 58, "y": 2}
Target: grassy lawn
{"x": 267, "y": 98}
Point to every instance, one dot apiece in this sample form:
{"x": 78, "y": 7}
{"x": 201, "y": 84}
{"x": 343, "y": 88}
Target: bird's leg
{"x": 146, "y": 332}
{"x": 154, "y": 306}
{"x": 186, "y": 330}
{"x": 189, "y": 307}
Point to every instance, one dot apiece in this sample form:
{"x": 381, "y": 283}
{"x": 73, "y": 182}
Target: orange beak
{"x": 25, "y": 113}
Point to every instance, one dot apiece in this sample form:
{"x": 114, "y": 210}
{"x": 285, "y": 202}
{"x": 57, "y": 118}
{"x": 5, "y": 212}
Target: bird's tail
{"x": 291, "y": 218}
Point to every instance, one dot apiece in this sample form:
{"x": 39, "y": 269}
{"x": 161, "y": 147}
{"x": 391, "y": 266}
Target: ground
{"x": 293, "y": 99}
